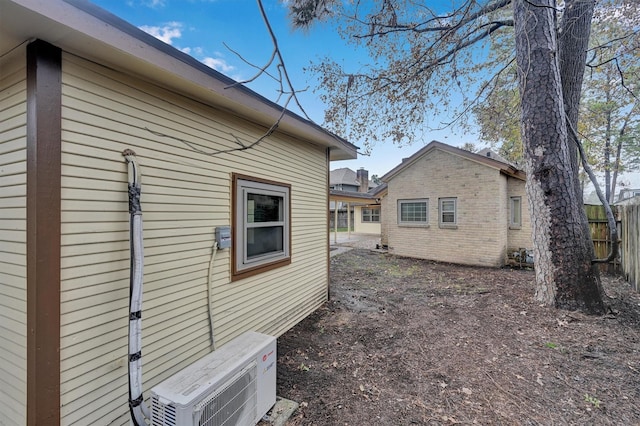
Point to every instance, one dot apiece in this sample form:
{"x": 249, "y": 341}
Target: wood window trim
{"x": 237, "y": 228}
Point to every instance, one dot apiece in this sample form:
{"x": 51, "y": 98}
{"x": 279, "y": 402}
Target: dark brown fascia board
{"x": 44, "y": 111}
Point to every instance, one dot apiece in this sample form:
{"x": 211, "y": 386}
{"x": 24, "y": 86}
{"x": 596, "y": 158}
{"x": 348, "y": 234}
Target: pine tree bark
{"x": 565, "y": 276}
{"x": 573, "y": 42}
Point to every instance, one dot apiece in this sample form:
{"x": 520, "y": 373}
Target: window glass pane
{"x": 371, "y": 215}
{"x": 448, "y": 211}
{"x": 413, "y": 212}
{"x": 448, "y": 218}
{"x": 516, "y": 211}
{"x": 264, "y": 208}
{"x": 448, "y": 205}
{"x": 262, "y": 225}
{"x": 264, "y": 240}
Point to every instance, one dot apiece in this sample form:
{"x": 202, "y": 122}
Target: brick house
{"x": 451, "y": 205}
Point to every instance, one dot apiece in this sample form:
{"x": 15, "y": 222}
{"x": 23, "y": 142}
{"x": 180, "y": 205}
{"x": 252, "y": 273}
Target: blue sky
{"x": 201, "y": 28}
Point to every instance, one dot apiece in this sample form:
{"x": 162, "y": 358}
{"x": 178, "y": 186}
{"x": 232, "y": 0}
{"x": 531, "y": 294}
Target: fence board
{"x": 630, "y": 235}
{"x": 600, "y": 235}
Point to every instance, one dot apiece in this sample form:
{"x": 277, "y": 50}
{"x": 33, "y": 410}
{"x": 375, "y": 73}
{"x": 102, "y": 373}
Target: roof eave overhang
{"x": 353, "y": 197}
{"x": 86, "y": 30}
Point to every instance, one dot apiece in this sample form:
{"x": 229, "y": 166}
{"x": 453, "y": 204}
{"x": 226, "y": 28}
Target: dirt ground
{"x": 412, "y": 342}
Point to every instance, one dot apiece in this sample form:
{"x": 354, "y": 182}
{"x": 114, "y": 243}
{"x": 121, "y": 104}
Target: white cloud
{"x": 154, "y": 3}
{"x": 218, "y": 64}
{"x": 166, "y": 33}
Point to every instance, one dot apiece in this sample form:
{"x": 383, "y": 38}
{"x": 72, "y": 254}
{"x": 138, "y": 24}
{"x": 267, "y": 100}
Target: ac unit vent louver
{"x": 162, "y": 414}
{"x": 234, "y": 404}
{"x": 232, "y": 386}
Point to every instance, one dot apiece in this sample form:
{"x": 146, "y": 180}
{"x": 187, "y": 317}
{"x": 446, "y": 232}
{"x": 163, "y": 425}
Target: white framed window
{"x": 448, "y": 212}
{"x": 371, "y": 214}
{"x": 261, "y": 224}
{"x": 413, "y": 212}
{"x": 515, "y": 212}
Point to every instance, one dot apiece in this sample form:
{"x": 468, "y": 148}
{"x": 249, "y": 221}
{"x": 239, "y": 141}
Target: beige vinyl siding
{"x": 479, "y": 237}
{"x": 13, "y": 239}
{"x": 185, "y": 195}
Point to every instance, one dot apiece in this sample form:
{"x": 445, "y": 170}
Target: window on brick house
{"x": 413, "y": 212}
{"x": 515, "y": 210}
{"x": 448, "y": 212}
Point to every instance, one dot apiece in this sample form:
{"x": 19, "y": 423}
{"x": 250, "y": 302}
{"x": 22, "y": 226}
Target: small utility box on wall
{"x": 223, "y": 237}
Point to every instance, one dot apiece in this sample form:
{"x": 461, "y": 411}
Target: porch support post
{"x": 335, "y": 222}
{"x": 348, "y": 221}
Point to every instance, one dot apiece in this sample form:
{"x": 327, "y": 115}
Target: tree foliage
{"x": 609, "y": 110}
{"x": 420, "y": 63}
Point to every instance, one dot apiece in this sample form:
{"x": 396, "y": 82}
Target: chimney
{"x": 362, "y": 176}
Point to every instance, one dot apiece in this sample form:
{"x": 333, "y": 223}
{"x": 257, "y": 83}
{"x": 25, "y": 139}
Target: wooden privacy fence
{"x": 629, "y": 216}
{"x": 342, "y": 219}
{"x": 628, "y": 223}
{"x": 601, "y": 238}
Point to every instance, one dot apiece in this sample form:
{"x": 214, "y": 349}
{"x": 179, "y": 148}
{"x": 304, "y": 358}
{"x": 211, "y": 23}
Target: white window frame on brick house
{"x": 371, "y": 214}
{"x": 414, "y": 217}
{"x": 515, "y": 212}
{"x": 260, "y": 245}
{"x": 448, "y": 212}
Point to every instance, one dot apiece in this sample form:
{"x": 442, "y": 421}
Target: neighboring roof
{"x": 343, "y": 176}
{"x": 487, "y": 152}
{"x": 371, "y": 197}
{"x": 337, "y": 195}
{"x": 629, "y": 201}
{"x": 489, "y": 161}
{"x": 379, "y": 190}
{"x": 346, "y": 176}
{"x": 83, "y": 29}
{"x": 626, "y": 193}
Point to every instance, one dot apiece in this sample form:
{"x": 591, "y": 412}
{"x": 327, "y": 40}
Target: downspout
{"x": 138, "y": 409}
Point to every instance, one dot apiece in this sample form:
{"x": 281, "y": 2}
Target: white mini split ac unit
{"x": 234, "y": 385}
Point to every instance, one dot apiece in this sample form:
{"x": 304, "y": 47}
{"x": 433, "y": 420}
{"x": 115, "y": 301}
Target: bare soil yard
{"x": 412, "y": 342}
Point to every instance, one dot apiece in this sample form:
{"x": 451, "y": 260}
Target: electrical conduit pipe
{"x": 138, "y": 409}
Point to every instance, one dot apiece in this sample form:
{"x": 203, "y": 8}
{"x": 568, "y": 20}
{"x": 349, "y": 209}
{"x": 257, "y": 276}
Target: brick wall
{"x": 481, "y": 234}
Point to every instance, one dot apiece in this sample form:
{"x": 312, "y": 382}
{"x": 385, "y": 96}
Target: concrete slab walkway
{"x": 347, "y": 242}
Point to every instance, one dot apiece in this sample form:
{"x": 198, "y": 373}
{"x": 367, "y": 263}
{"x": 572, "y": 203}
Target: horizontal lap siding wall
{"x": 185, "y": 195}
{"x": 481, "y": 234}
{"x": 13, "y": 239}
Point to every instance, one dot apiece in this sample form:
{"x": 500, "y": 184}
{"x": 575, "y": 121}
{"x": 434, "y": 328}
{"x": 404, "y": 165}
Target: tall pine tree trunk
{"x": 565, "y": 277}
{"x": 573, "y": 42}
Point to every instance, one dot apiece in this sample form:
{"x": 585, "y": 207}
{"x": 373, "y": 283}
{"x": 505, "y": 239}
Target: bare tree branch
{"x": 611, "y": 221}
{"x": 286, "y": 88}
